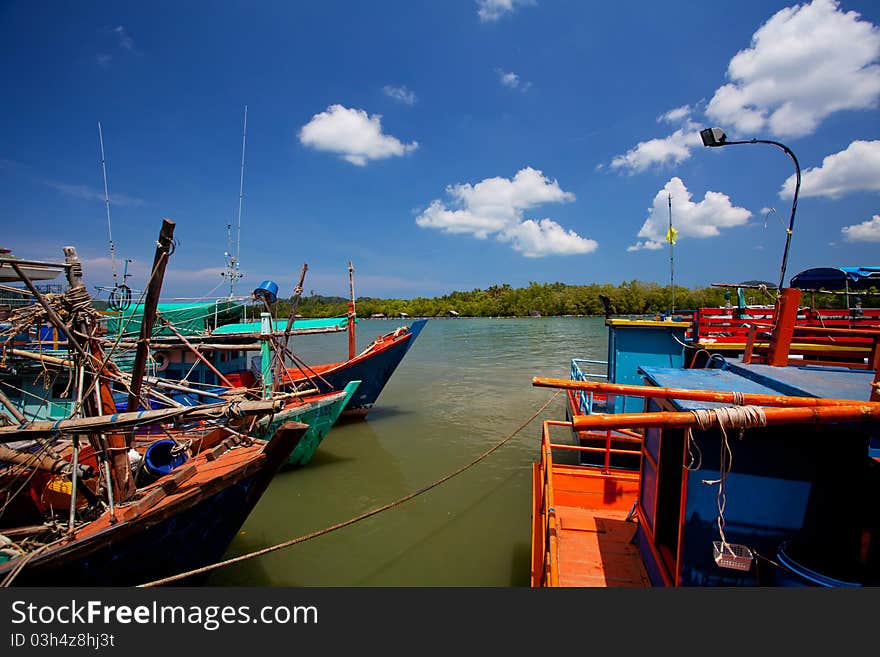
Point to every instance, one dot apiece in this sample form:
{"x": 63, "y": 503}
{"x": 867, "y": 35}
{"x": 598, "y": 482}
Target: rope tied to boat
{"x": 727, "y": 417}
{"x": 350, "y": 521}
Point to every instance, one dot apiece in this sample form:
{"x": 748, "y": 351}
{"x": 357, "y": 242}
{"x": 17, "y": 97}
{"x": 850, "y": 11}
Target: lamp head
{"x": 713, "y": 137}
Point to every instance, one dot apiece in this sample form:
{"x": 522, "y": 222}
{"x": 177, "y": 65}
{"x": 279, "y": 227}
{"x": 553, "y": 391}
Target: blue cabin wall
{"x": 812, "y": 486}
{"x": 634, "y": 344}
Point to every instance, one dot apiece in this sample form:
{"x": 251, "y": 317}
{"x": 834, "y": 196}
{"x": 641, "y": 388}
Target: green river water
{"x": 463, "y": 387}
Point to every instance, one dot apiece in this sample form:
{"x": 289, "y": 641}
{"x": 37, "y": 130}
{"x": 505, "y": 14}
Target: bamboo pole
{"x": 687, "y": 420}
{"x": 693, "y": 395}
{"x": 12, "y": 408}
{"x": 119, "y": 421}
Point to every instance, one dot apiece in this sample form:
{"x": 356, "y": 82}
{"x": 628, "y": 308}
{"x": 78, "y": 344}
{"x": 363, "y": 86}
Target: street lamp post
{"x": 716, "y": 137}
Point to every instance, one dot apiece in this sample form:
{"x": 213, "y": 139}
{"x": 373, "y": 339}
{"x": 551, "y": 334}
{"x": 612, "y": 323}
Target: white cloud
{"x": 675, "y": 148}
{"x": 675, "y": 115}
{"x": 805, "y": 63}
{"x": 496, "y": 206}
{"x": 492, "y": 10}
{"x": 855, "y": 169}
{"x": 103, "y": 60}
{"x": 512, "y": 81}
{"x": 699, "y": 220}
{"x": 867, "y": 231}
{"x": 401, "y": 94}
{"x": 536, "y": 239}
{"x": 357, "y": 137}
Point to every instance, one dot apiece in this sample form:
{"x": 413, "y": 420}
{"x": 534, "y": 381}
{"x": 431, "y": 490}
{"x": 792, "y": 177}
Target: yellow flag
{"x": 671, "y": 234}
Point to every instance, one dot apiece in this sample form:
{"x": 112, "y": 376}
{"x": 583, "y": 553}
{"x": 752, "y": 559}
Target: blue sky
{"x": 442, "y": 146}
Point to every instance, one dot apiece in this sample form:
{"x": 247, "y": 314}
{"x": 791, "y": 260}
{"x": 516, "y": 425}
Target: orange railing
{"x": 545, "y": 524}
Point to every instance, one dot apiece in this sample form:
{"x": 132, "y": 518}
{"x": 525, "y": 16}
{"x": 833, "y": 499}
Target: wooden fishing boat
{"x": 373, "y": 367}
{"x": 224, "y": 355}
{"x": 101, "y": 519}
{"x": 754, "y": 471}
{"x": 319, "y": 412}
{"x": 182, "y": 521}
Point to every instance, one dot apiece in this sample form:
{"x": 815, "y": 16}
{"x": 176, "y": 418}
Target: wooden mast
{"x": 163, "y": 250}
{"x": 294, "y": 303}
{"x": 351, "y": 313}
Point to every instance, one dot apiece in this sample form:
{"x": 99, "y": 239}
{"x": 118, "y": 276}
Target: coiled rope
{"x": 351, "y": 521}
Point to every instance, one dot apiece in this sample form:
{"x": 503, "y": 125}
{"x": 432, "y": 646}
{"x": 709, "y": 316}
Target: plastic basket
{"x": 731, "y": 555}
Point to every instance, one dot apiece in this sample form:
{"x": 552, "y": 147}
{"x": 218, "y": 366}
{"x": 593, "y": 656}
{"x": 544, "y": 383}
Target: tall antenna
{"x": 232, "y": 273}
{"x": 107, "y": 205}
{"x": 241, "y": 186}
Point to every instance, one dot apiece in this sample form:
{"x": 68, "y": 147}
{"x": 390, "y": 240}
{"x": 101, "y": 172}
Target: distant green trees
{"x": 629, "y": 298}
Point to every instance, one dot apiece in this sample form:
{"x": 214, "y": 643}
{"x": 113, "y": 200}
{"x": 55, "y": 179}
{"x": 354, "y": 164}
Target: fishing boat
{"x": 752, "y": 471}
{"x": 83, "y": 506}
{"x": 725, "y": 330}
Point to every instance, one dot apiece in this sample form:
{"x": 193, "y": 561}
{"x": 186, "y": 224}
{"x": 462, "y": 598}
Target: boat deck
{"x": 589, "y": 538}
{"x": 596, "y": 549}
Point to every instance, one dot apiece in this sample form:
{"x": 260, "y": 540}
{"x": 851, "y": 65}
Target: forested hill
{"x": 629, "y": 298}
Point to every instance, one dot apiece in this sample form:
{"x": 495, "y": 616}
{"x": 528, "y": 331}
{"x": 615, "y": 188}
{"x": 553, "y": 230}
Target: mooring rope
{"x": 351, "y": 521}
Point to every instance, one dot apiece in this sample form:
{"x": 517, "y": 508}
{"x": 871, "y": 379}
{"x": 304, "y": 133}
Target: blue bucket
{"x": 267, "y": 289}
{"x": 159, "y": 459}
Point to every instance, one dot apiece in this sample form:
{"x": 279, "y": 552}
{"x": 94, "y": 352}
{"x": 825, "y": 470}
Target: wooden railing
{"x": 731, "y": 325}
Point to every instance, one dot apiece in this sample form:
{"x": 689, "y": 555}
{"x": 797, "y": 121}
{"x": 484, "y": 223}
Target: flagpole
{"x": 671, "y": 236}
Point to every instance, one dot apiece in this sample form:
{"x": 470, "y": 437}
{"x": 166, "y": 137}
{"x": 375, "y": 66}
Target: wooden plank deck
{"x": 595, "y": 549}
{"x": 593, "y": 537}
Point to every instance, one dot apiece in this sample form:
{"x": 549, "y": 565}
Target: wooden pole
{"x": 218, "y": 373}
{"x": 352, "y": 313}
{"x": 816, "y": 415}
{"x": 283, "y": 343}
{"x": 160, "y": 260}
{"x": 113, "y": 448}
{"x": 119, "y": 421}
{"x": 50, "y": 312}
{"x": 12, "y": 408}
{"x": 717, "y": 397}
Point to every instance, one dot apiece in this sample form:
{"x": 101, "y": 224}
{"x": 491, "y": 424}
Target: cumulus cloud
{"x": 699, "y": 220}
{"x": 497, "y": 206}
{"x": 492, "y": 10}
{"x": 358, "y": 138}
{"x": 401, "y": 94}
{"x": 805, "y": 63}
{"x": 675, "y": 115}
{"x": 675, "y": 149}
{"x": 855, "y": 169}
{"x": 867, "y": 231}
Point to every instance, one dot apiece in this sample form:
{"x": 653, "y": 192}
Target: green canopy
{"x": 299, "y": 326}
{"x": 189, "y": 318}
